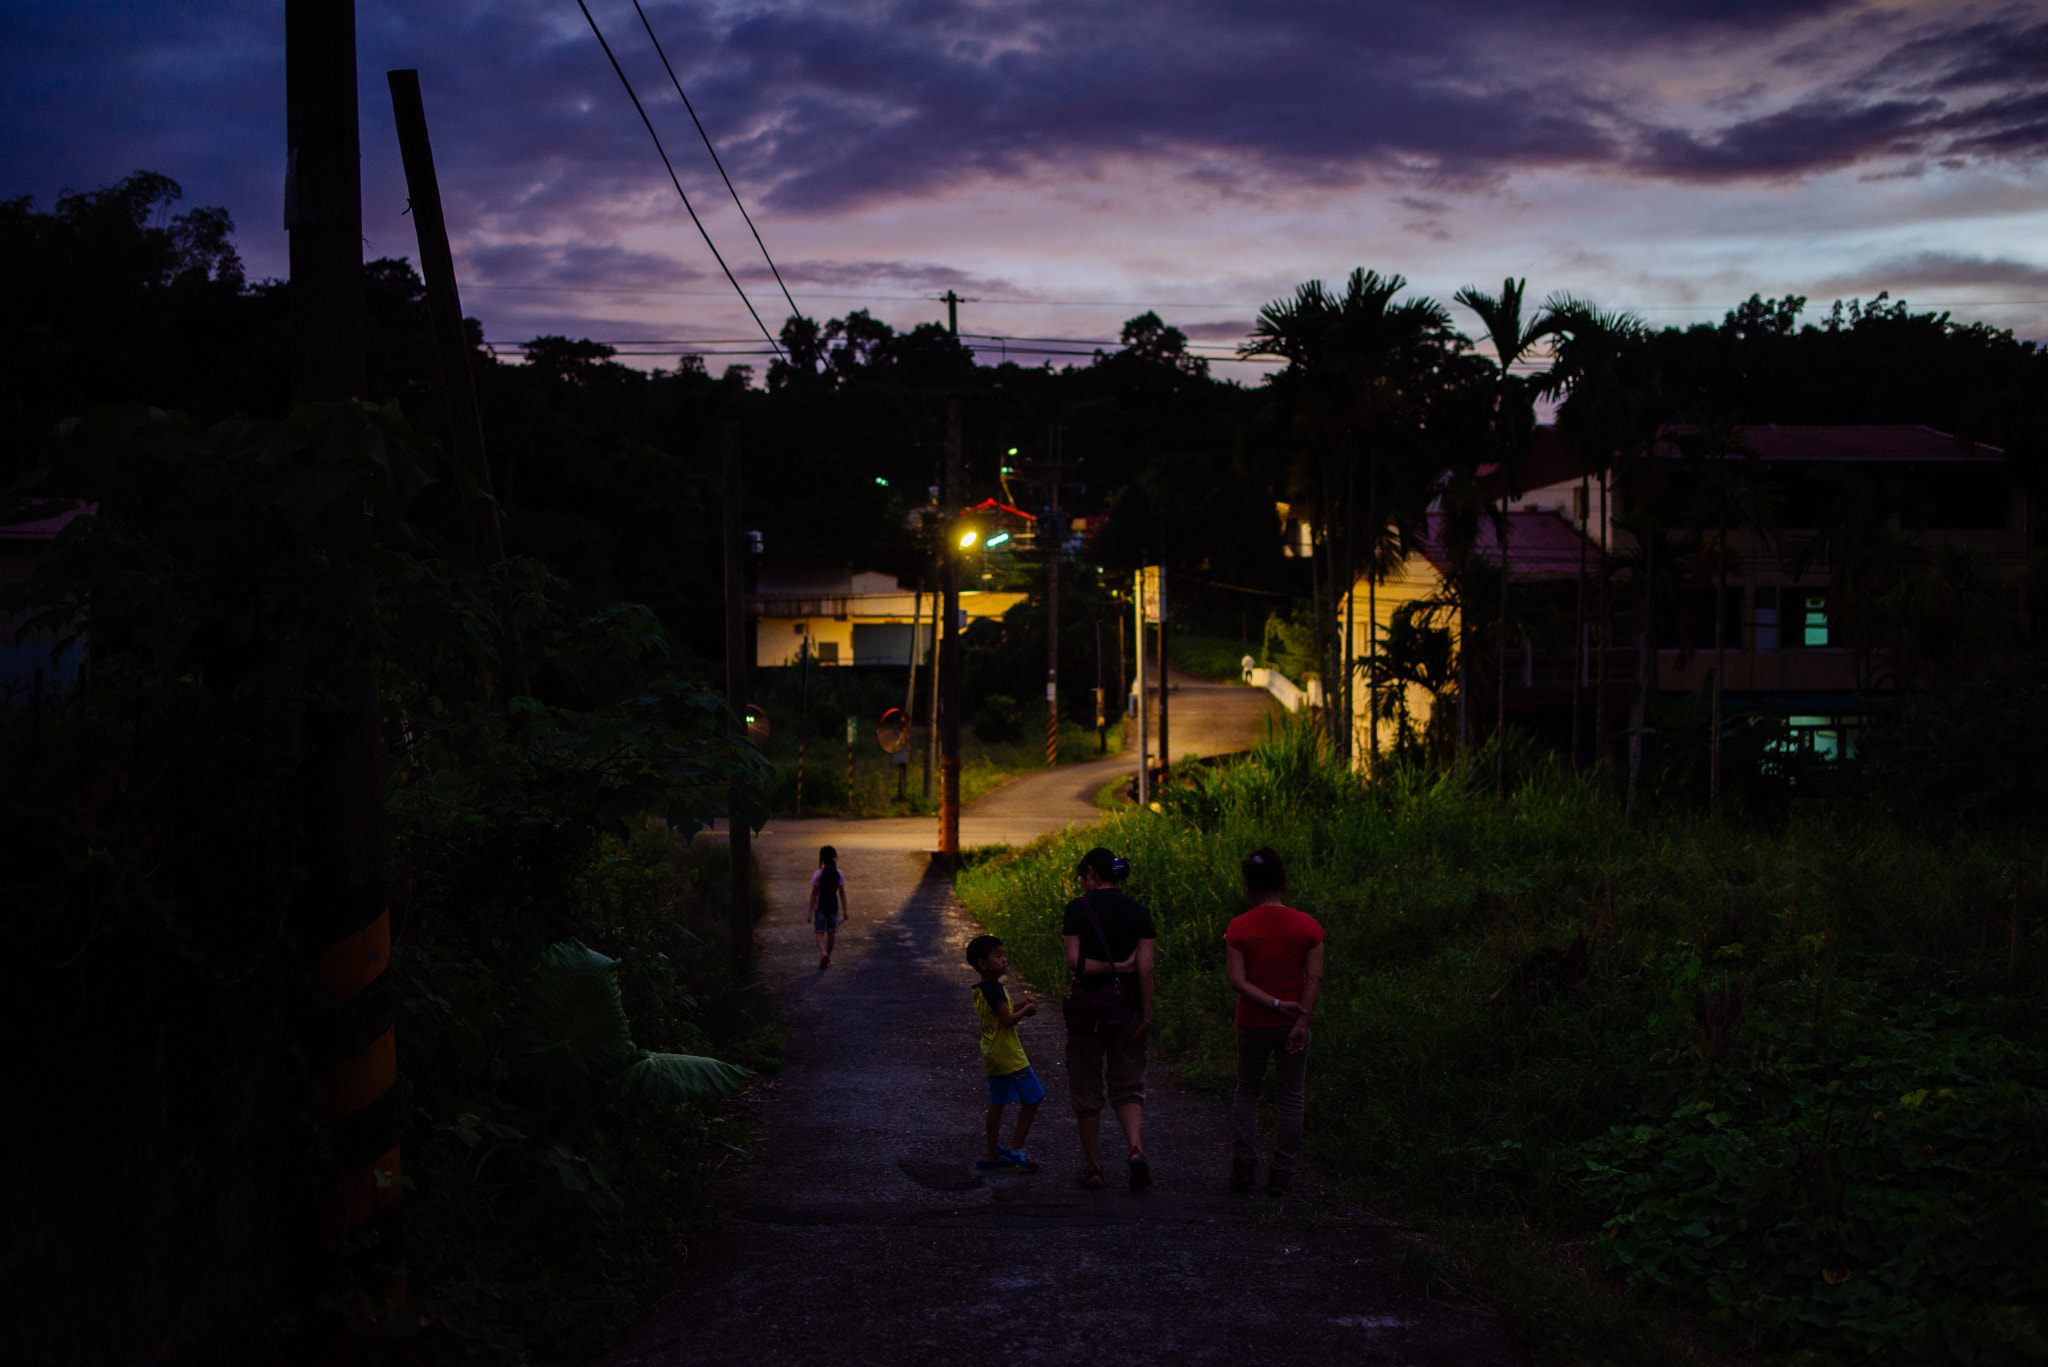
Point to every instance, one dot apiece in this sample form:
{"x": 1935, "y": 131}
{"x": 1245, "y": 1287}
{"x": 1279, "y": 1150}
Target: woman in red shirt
{"x": 1275, "y": 956}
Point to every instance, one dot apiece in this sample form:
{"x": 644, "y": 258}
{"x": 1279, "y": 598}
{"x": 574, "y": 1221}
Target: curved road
{"x": 860, "y": 1233}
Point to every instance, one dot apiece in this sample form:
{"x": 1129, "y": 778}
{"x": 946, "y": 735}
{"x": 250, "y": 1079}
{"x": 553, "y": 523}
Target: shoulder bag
{"x": 1104, "y": 1010}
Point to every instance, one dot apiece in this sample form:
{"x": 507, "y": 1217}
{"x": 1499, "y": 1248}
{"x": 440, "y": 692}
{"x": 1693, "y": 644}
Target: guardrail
{"x": 1291, "y": 696}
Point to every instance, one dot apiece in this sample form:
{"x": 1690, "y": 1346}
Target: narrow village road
{"x": 859, "y": 1232}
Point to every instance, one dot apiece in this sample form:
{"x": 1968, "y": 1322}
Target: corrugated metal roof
{"x": 1540, "y": 545}
{"x": 1869, "y": 441}
{"x": 46, "y": 528}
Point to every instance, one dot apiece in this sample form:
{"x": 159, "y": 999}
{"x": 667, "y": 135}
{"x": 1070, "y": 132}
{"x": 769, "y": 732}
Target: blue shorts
{"x": 1021, "y": 1087}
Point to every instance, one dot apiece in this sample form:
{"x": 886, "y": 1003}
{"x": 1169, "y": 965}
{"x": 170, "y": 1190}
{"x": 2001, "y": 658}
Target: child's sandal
{"x": 1091, "y": 1177}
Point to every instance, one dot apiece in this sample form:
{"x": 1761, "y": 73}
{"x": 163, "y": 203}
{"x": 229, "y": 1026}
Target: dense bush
{"x": 158, "y": 889}
{"x": 1538, "y": 1016}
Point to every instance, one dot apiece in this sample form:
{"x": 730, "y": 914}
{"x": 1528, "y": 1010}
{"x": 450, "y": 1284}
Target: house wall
{"x": 1415, "y": 580}
{"x": 777, "y": 637}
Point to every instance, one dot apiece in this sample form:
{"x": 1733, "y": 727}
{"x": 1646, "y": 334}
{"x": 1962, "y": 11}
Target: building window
{"x": 1814, "y": 620}
{"x": 1766, "y": 619}
{"x": 1579, "y": 505}
{"x": 828, "y": 652}
{"x": 799, "y": 628}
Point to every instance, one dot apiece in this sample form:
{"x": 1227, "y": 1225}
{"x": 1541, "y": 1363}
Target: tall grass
{"x": 1468, "y": 1064}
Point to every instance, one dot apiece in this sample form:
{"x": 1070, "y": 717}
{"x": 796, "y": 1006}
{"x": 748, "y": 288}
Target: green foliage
{"x": 563, "y": 1101}
{"x": 1000, "y": 720}
{"x": 568, "y": 1043}
{"x": 1516, "y": 991}
{"x": 1859, "y": 1168}
{"x": 1211, "y": 657}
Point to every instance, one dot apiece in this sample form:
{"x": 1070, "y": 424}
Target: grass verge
{"x": 1667, "y": 1090}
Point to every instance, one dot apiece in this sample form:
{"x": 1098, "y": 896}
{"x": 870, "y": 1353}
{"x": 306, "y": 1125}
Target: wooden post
{"x": 739, "y": 839}
{"x": 1166, "y": 751}
{"x": 909, "y": 704}
{"x": 949, "y": 654}
{"x": 346, "y": 922}
{"x": 1052, "y": 609}
{"x": 444, "y": 312}
{"x": 1144, "y": 702}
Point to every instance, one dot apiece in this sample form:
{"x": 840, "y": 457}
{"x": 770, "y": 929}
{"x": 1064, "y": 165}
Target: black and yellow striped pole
{"x": 341, "y": 902}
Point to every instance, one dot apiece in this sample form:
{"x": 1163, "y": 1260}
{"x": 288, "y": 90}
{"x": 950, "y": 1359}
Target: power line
{"x": 714, "y": 156}
{"x": 673, "y": 179}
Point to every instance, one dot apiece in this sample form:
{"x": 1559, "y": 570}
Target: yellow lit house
{"x": 851, "y": 617}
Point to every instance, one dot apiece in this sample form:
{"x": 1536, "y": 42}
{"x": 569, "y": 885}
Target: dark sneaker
{"x": 1141, "y": 1172}
{"x": 1276, "y": 1182}
{"x": 1242, "y": 1171}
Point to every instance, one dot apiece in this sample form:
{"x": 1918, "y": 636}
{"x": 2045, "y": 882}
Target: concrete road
{"x": 861, "y": 1233}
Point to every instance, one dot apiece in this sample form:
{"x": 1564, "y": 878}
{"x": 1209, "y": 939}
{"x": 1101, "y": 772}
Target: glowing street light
{"x": 967, "y": 538}
{"x": 999, "y": 539}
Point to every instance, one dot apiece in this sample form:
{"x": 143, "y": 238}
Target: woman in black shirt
{"x": 1109, "y": 1065}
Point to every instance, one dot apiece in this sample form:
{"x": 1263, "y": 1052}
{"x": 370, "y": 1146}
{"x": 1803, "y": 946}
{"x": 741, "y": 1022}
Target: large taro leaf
{"x": 668, "y": 1078}
{"x": 567, "y": 1037}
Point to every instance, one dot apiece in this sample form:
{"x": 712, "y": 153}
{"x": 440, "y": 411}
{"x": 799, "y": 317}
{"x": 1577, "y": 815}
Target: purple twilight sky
{"x": 1069, "y": 164}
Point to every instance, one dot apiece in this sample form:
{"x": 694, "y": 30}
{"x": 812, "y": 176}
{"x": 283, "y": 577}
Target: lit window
{"x": 1816, "y": 620}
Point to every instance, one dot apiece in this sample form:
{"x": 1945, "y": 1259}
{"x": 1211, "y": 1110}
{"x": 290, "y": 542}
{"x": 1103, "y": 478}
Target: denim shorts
{"x": 821, "y": 921}
{"x": 1021, "y": 1087}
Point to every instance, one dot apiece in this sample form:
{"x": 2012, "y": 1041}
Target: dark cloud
{"x": 1939, "y": 270}
{"x": 1815, "y": 135}
{"x": 825, "y": 108}
{"x": 1963, "y": 90}
{"x": 575, "y": 264}
{"x": 1235, "y": 330}
{"x": 891, "y": 275}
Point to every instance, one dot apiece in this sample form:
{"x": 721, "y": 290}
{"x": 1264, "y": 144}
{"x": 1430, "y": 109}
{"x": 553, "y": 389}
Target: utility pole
{"x": 1165, "y": 754}
{"x": 1138, "y": 685}
{"x": 444, "y": 312}
{"x": 1101, "y": 718}
{"x": 1055, "y": 467}
{"x": 739, "y": 839}
{"x": 949, "y": 652}
{"x": 910, "y": 699}
{"x": 346, "y": 921}
{"x": 931, "y": 725}
{"x": 953, "y": 302}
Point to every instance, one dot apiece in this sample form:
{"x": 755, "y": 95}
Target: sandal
{"x": 1141, "y": 1171}
{"x": 1091, "y": 1177}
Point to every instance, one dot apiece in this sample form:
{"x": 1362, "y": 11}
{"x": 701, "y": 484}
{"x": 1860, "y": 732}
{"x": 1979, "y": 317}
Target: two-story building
{"x": 1782, "y": 640}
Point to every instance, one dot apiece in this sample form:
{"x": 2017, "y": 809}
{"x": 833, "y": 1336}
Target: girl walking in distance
{"x": 1108, "y": 1011}
{"x": 828, "y": 902}
{"x": 1275, "y": 963}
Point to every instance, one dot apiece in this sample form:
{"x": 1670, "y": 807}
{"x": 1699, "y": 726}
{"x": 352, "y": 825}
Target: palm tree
{"x": 1354, "y": 359}
{"x": 1513, "y": 431}
{"x": 1594, "y": 357}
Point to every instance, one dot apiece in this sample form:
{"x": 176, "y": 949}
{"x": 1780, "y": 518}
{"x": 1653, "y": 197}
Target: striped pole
{"x": 356, "y": 1052}
{"x": 344, "y": 917}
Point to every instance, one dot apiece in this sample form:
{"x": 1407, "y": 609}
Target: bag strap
{"x": 1088, "y": 905}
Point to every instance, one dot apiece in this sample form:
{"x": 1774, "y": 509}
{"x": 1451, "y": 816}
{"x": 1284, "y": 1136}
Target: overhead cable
{"x": 660, "y": 52}
{"x": 673, "y": 178}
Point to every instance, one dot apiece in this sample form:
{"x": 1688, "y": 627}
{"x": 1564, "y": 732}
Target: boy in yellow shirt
{"x": 1009, "y": 1073}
